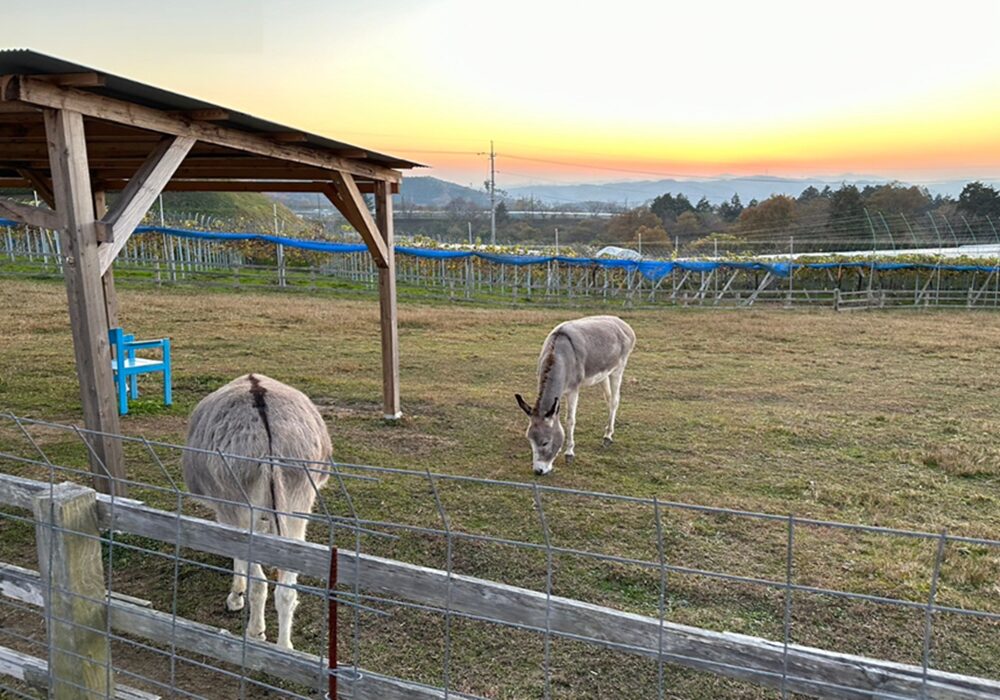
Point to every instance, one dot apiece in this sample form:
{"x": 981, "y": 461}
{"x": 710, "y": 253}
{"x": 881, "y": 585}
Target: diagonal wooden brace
{"x": 138, "y": 196}
{"x": 29, "y": 215}
{"x": 344, "y": 194}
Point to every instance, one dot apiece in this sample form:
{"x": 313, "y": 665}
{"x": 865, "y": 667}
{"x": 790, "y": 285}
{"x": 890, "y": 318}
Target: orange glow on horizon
{"x": 598, "y": 97}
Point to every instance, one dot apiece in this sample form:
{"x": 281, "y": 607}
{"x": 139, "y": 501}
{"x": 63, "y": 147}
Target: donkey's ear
{"x": 521, "y": 402}
{"x": 554, "y": 410}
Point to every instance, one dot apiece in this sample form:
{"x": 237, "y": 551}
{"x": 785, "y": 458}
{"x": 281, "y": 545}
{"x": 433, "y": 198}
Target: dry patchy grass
{"x": 883, "y": 418}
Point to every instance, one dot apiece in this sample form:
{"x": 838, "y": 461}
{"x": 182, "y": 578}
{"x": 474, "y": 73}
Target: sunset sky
{"x": 634, "y": 91}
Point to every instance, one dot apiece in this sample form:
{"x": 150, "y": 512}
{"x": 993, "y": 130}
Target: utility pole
{"x": 493, "y": 195}
{"x": 279, "y": 249}
{"x": 557, "y": 241}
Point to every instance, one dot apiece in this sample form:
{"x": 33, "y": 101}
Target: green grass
{"x": 885, "y": 418}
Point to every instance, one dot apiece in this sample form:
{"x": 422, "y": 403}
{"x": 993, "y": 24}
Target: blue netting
{"x": 653, "y": 270}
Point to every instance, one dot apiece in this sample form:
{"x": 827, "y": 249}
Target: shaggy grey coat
{"x": 271, "y": 436}
{"x": 587, "y": 351}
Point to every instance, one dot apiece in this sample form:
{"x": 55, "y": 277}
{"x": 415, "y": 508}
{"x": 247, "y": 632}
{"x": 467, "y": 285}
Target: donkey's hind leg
{"x": 235, "y": 600}
{"x": 613, "y": 395}
{"x": 286, "y": 598}
{"x": 238, "y": 517}
{"x": 258, "y": 601}
{"x": 608, "y": 399}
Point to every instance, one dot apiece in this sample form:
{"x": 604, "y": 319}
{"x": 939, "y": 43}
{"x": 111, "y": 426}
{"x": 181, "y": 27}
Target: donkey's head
{"x": 545, "y": 433}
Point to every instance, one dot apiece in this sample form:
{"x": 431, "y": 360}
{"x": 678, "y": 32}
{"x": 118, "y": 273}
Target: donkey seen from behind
{"x": 254, "y": 444}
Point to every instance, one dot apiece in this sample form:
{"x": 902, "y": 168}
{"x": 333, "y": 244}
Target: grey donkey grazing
{"x": 275, "y": 428}
{"x": 584, "y": 352}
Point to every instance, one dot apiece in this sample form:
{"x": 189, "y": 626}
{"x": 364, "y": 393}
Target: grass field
{"x": 882, "y": 418}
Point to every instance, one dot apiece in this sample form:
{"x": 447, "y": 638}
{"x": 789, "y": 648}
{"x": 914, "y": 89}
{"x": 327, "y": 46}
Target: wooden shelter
{"x": 74, "y": 134}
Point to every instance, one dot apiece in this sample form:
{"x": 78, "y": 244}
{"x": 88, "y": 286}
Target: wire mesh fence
{"x": 155, "y": 258}
{"x": 423, "y": 584}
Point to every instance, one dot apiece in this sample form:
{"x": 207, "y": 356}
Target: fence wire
{"x": 455, "y": 586}
{"x": 163, "y": 260}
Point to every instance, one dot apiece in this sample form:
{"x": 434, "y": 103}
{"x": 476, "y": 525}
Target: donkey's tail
{"x": 258, "y": 393}
{"x": 276, "y": 509}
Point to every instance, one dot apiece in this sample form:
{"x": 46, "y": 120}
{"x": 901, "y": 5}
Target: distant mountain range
{"x": 434, "y": 192}
{"x": 716, "y": 190}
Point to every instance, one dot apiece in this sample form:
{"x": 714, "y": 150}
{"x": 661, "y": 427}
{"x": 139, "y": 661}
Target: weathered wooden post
{"x": 67, "y": 147}
{"x": 69, "y": 559}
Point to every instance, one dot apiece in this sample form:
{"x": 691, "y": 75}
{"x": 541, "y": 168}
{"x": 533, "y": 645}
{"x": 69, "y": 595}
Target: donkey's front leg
{"x": 571, "y": 399}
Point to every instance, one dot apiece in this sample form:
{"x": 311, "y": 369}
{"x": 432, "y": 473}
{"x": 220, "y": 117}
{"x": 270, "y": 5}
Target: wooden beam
{"x": 108, "y": 278}
{"x": 352, "y": 153}
{"x": 41, "y": 185}
{"x": 182, "y": 185}
{"x": 139, "y": 195}
{"x": 79, "y": 80}
{"x": 27, "y": 89}
{"x": 343, "y": 193}
{"x": 289, "y": 137}
{"x": 29, "y": 215}
{"x": 207, "y": 115}
{"x": 391, "y": 408}
{"x": 250, "y": 185}
{"x": 17, "y": 108}
{"x": 208, "y": 172}
{"x": 81, "y": 268}
{"x": 121, "y": 148}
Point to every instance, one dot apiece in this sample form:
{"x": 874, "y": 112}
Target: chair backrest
{"x": 116, "y": 336}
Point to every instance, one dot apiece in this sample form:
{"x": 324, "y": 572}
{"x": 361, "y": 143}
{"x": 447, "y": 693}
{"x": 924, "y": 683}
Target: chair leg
{"x": 168, "y": 397}
{"x": 122, "y": 383}
{"x": 135, "y": 387}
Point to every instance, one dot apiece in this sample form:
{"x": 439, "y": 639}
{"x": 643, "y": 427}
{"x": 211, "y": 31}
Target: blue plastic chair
{"x": 127, "y": 367}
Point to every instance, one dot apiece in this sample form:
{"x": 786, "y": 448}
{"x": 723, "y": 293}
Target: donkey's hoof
{"x": 257, "y": 637}
{"x": 234, "y": 602}
{"x": 608, "y": 442}
{"x": 570, "y": 458}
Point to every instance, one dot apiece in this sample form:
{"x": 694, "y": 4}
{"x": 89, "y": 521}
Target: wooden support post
{"x": 387, "y": 304}
{"x": 82, "y": 272}
{"x": 108, "y": 278}
{"x": 69, "y": 559}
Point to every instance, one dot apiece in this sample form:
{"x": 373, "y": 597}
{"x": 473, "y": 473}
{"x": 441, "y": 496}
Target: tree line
{"x": 845, "y": 217}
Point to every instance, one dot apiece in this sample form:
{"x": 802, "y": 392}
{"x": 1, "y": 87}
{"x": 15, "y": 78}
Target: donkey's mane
{"x": 547, "y": 367}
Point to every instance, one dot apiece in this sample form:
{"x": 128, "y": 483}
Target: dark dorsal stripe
{"x": 550, "y": 362}
{"x": 258, "y": 392}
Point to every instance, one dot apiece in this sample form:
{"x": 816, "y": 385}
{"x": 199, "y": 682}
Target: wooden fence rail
{"x": 26, "y": 586}
{"x": 79, "y": 630}
{"x": 34, "y": 672}
{"x": 799, "y": 669}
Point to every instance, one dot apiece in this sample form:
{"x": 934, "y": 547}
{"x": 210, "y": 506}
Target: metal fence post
{"x": 280, "y": 255}
{"x": 69, "y": 559}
